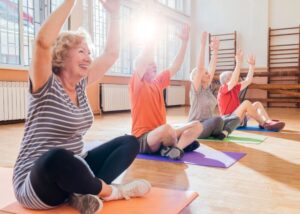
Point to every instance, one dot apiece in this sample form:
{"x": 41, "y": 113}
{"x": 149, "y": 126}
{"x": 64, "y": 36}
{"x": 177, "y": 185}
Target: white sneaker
{"x": 136, "y": 188}
{"x": 86, "y": 204}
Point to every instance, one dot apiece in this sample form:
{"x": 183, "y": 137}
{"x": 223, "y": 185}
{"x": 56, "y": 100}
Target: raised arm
{"x": 144, "y": 58}
{"x": 249, "y": 78}
{"x": 213, "y": 62}
{"x": 196, "y": 80}
{"x": 236, "y": 73}
{"x": 111, "y": 52}
{"x": 41, "y": 67}
{"x": 184, "y": 36}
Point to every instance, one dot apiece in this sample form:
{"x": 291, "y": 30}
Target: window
{"x": 99, "y": 27}
{"x": 182, "y": 6}
{"x": 19, "y": 21}
{"x": 168, "y": 48}
{"x": 55, "y": 4}
{"x": 9, "y": 32}
{"x": 124, "y": 63}
{"x": 28, "y": 30}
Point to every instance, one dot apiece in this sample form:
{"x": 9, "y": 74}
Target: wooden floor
{"x": 266, "y": 180}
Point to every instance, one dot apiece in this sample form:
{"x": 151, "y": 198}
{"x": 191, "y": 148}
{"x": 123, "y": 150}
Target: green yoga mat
{"x": 240, "y": 138}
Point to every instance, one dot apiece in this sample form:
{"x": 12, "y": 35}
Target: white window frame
{"x": 40, "y": 12}
{"x": 45, "y": 11}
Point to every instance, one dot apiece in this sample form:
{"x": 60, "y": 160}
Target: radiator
{"x": 13, "y": 100}
{"x": 175, "y": 95}
{"x": 114, "y": 97}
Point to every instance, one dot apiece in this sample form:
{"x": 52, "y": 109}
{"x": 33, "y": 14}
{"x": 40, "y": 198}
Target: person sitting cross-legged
{"x": 203, "y": 102}
{"x": 52, "y": 168}
{"x": 148, "y": 108}
{"x": 228, "y": 97}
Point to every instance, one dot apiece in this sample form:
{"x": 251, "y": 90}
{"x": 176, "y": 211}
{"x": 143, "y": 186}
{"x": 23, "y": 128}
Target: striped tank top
{"x": 53, "y": 121}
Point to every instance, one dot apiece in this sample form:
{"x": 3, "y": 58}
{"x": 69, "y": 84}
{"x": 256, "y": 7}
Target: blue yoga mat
{"x": 253, "y": 128}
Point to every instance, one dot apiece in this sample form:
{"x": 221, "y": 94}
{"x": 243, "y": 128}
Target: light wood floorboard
{"x": 266, "y": 180}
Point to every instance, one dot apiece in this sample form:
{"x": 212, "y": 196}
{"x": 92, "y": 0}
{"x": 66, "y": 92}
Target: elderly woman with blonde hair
{"x": 51, "y": 167}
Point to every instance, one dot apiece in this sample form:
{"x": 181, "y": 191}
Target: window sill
{"x": 14, "y": 67}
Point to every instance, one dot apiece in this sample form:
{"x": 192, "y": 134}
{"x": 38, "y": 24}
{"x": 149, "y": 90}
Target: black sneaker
{"x": 193, "y": 146}
{"x": 219, "y": 136}
{"x": 86, "y": 204}
{"x": 172, "y": 152}
{"x": 244, "y": 123}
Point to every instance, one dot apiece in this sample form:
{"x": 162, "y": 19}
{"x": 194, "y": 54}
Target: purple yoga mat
{"x": 203, "y": 156}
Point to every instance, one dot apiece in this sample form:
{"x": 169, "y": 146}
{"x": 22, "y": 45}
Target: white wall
{"x": 250, "y": 18}
{"x": 284, "y": 13}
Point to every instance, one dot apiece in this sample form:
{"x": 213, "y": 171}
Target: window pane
{"x": 179, "y": 5}
{"x": 99, "y": 27}
{"x": 124, "y": 63}
{"x": 168, "y": 49}
{"x": 85, "y": 9}
{"x": 9, "y": 32}
{"x": 28, "y": 24}
{"x": 55, "y": 4}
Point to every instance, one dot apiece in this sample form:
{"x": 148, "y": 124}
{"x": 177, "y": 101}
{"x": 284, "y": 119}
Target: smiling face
{"x": 78, "y": 60}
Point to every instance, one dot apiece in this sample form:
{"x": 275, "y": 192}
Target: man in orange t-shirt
{"x": 148, "y": 108}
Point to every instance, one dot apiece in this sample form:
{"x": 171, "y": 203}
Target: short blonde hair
{"x": 66, "y": 41}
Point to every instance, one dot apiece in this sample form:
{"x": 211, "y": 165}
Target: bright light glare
{"x": 145, "y": 29}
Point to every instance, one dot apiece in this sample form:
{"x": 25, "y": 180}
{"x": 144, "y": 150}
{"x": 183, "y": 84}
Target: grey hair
{"x": 224, "y": 76}
{"x": 192, "y": 75}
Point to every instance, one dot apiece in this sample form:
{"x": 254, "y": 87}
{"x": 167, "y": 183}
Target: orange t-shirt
{"x": 147, "y": 103}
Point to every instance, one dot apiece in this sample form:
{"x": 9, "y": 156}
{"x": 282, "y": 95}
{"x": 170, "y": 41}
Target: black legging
{"x": 58, "y": 173}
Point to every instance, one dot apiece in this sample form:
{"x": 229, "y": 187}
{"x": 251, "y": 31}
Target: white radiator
{"x": 13, "y": 100}
{"x": 114, "y": 97}
{"x": 175, "y": 95}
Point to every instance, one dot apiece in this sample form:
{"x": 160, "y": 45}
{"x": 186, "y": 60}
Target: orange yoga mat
{"x": 159, "y": 200}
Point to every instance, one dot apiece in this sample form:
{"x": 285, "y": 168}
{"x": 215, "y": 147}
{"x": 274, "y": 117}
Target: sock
{"x": 225, "y": 132}
{"x": 115, "y": 194}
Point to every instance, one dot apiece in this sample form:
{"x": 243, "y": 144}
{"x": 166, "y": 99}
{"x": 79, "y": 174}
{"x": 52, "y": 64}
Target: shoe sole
{"x": 172, "y": 153}
{"x": 86, "y": 204}
{"x": 276, "y": 127}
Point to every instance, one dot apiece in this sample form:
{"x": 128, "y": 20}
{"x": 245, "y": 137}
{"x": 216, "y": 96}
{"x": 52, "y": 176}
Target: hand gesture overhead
{"x": 215, "y": 43}
{"x": 239, "y": 56}
{"x": 204, "y": 37}
{"x": 185, "y": 33}
{"x": 112, "y": 6}
{"x": 251, "y": 60}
